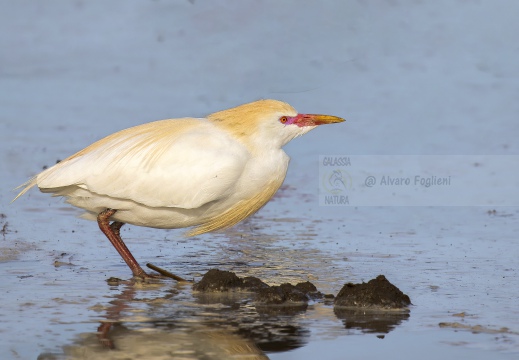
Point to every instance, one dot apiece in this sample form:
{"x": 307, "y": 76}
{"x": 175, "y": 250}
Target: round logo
{"x": 336, "y": 181}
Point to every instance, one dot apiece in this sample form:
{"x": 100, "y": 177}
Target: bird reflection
{"x": 138, "y": 324}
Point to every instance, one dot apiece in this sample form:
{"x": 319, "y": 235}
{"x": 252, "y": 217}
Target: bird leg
{"x": 113, "y": 233}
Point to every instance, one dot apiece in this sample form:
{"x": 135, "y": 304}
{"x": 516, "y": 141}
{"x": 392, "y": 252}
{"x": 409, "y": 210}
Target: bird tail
{"x": 26, "y": 186}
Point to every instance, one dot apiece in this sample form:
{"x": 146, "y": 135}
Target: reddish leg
{"x": 112, "y": 232}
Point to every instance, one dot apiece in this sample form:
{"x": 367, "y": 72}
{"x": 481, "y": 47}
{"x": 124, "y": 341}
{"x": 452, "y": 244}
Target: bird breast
{"x": 260, "y": 182}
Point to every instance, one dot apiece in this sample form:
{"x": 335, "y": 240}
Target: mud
{"x": 227, "y": 281}
{"x": 283, "y": 293}
{"x": 367, "y": 307}
{"x": 377, "y": 293}
{"x": 219, "y": 281}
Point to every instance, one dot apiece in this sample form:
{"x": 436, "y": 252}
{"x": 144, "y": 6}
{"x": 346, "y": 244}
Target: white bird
{"x": 207, "y": 173}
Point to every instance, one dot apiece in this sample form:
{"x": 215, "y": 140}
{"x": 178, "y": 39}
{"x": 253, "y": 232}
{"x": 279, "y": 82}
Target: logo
{"x": 336, "y": 181}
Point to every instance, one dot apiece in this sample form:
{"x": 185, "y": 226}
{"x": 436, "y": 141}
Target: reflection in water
{"x": 272, "y": 328}
{"x": 164, "y": 323}
{"x": 155, "y": 321}
{"x": 187, "y": 342}
{"x": 120, "y": 303}
{"x": 371, "y": 321}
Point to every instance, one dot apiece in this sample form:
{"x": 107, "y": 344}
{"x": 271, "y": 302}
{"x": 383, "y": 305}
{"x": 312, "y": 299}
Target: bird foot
{"x": 147, "y": 277}
{"x": 161, "y": 273}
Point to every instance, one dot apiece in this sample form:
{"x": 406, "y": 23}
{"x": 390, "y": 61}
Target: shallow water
{"x": 437, "y": 78}
{"x": 450, "y": 262}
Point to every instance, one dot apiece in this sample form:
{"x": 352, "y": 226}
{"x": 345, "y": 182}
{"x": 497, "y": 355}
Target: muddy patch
{"x": 221, "y": 281}
{"x": 226, "y": 281}
{"x": 373, "y": 307}
{"x": 377, "y": 293}
{"x": 301, "y": 292}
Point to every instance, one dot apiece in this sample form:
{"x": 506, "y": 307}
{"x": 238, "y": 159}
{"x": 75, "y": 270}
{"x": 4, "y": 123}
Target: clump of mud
{"x": 281, "y": 294}
{"x": 220, "y": 281}
{"x": 224, "y": 281}
{"x": 377, "y": 293}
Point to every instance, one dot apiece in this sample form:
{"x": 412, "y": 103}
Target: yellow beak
{"x": 317, "y": 119}
{"x": 325, "y": 119}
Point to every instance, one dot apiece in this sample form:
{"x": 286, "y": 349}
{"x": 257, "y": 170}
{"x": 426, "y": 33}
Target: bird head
{"x": 268, "y": 122}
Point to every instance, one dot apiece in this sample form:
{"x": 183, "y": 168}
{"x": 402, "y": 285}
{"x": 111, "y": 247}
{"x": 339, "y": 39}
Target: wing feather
{"x": 181, "y": 163}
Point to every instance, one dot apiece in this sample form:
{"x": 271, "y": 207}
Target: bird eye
{"x": 283, "y": 119}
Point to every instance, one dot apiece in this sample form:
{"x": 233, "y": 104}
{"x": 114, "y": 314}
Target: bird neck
{"x": 247, "y": 130}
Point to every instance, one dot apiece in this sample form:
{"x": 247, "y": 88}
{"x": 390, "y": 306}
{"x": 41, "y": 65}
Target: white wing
{"x": 181, "y": 163}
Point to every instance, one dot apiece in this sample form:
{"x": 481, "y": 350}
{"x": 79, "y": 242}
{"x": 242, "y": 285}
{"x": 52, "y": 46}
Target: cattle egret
{"x": 206, "y": 173}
